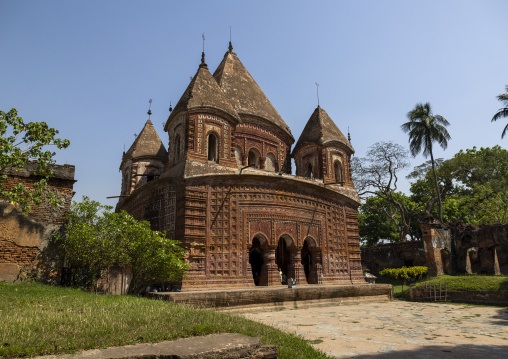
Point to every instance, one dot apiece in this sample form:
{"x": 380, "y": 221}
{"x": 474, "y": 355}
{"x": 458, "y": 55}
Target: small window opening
{"x": 253, "y": 159}
{"x": 338, "y": 172}
{"x": 213, "y": 148}
{"x": 177, "y": 148}
{"x": 308, "y": 172}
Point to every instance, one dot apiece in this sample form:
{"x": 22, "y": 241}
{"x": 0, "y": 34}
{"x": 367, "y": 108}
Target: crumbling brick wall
{"x": 26, "y": 240}
{"x": 452, "y": 248}
{"x": 393, "y": 255}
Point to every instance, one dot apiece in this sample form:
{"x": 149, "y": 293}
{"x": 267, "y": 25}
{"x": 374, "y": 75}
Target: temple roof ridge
{"x": 320, "y": 130}
{"x": 244, "y": 93}
{"x": 203, "y": 92}
{"x": 146, "y": 145}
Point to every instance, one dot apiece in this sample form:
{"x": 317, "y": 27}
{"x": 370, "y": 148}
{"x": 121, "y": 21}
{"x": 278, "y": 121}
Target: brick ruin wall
{"x": 457, "y": 248}
{"x": 26, "y": 240}
{"x": 393, "y": 255}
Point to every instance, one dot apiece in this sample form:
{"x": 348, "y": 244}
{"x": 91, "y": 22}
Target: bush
{"x": 97, "y": 239}
{"x": 405, "y": 273}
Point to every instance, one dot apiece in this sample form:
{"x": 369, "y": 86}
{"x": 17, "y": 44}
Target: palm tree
{"x": 503, "y": 112}
{"x": 424, "y": 129}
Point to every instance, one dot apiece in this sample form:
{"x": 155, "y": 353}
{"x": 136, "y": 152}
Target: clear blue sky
{"x": 89, "y": 68}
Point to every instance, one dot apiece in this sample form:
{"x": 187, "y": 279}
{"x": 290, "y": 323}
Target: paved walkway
{"x": 398, "y": 329}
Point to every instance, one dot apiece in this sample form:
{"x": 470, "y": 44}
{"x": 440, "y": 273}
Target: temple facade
{"x": 224, "y": 187}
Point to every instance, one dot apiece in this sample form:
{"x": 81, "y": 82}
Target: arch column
{"x": 262, "y": 161}
{"x": 316, "y": 269}
{"x": 269, "y": 274}
{"x": 295, "y": 266}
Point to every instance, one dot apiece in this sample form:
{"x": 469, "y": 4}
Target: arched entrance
{"x": 283, "y": 257}
{"x": 311, "y": 260}
{"x": 256, "y": 259}
{"x": 306, "y": 259}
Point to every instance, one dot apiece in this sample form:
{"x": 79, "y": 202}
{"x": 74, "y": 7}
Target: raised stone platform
{"x": 274, "y": 298}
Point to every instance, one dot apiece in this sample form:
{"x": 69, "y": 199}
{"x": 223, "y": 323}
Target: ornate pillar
{"x": 269, "y": 274}
{"x": 295, "y": 270}
{"x": 262, "y": 161}
{"x": 316, "y": 269}
{"x": 248, "y": 271}
{"x": 245, "y": 159}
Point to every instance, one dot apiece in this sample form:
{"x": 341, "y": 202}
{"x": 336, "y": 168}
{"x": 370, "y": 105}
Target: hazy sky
{"x": 89, "y": 68}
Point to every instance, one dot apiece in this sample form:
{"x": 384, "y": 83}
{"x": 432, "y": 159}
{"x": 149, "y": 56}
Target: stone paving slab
{"x": 217, "y": 346}
{"x": 398, "y": 329}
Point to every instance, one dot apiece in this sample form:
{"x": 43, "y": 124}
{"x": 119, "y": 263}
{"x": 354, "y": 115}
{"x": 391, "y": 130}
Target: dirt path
{"x": 398, "y": 329}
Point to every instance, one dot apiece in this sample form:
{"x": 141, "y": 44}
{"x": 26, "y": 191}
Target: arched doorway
{"x": 306, "y": 259}
{"x": 256, "y": 259}
{"x": 283, "y": 257}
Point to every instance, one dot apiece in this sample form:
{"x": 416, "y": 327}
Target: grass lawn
{"x": 473, "y": 283}
{"x": 37, "y": 319}
{"x": 459, "y": 283}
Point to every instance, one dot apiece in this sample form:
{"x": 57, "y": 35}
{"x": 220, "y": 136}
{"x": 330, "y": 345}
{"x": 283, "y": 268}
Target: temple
{"x": 224, "y": 187}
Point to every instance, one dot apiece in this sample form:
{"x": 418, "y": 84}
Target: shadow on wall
{"x": 27, "y": 247}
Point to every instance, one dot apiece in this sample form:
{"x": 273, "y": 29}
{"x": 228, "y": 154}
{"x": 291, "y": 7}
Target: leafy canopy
{"x": 98, "y": 239}
{"x": 21, "y": 142}
{"x": 476, "y": 181}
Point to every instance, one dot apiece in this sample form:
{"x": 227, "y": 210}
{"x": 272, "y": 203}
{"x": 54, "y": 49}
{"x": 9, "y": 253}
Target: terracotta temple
{"x": 224, "y": 187}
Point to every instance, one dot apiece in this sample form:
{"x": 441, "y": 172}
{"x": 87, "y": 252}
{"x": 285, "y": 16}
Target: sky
{"x": 89, "y": 68}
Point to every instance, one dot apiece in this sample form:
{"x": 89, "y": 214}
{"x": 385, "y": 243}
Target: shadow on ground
{"x": 436, "y": 351}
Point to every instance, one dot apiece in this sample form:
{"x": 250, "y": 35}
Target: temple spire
{"x": 203, "y": 64}
{"x": 230, "y": 47}
{"x": 317, "y": 92}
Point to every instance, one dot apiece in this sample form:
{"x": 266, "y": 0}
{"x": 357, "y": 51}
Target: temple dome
{"x": 244, "y": 93}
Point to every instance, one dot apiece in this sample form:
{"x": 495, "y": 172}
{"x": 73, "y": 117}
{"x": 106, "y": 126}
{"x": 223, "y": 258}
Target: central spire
{"x": 203, "y": 63}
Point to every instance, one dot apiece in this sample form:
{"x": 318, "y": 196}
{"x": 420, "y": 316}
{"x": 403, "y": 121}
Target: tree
{"x": 373, "y": 225}
{"x": 474, "y": 185}
{"x": 21, "y": 142}
{"x": 424, "y": 129}
{"x": 377, "y": 175}
{"x": 97, "y": 239}
{"x": 502, "y": 112}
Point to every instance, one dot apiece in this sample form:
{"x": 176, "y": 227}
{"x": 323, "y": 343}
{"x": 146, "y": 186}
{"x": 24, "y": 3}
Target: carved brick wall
{"x": 216, "y": 219}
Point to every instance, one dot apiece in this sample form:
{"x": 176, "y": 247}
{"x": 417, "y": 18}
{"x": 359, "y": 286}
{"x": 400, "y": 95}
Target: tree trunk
{"x": 437, "y": 188}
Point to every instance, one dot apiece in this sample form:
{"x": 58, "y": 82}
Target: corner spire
{"x": 149, "y": 112}
{"x": 203, "y": 63}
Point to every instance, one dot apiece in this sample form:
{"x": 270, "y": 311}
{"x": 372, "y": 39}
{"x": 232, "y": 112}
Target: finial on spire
{"x": 170, "y": 108}
{"x": 317, "y": 90}
{"x": 230, "y": 48}
{"x": 149, "y": 113}
{"x": 203, "y": 53}
{"x": 348, "y": 135}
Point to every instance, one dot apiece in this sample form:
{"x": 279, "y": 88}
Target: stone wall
{"x": 393, "y": 255}
{"x": 26, "y": 240}
{"x": 453, "y": 248}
